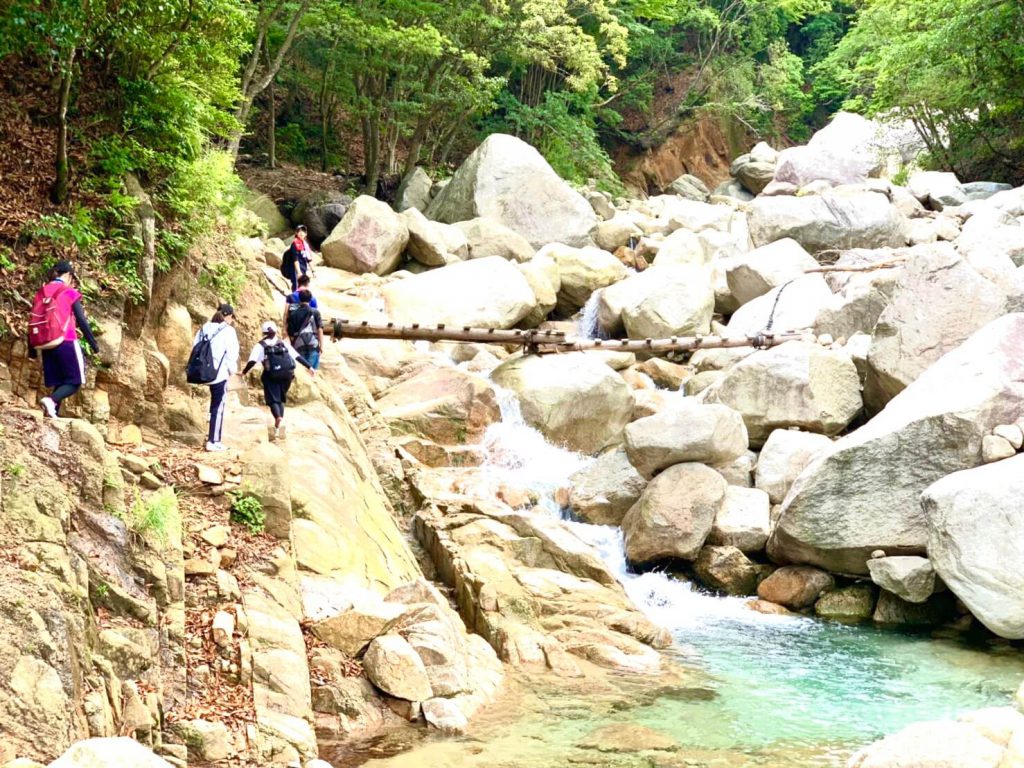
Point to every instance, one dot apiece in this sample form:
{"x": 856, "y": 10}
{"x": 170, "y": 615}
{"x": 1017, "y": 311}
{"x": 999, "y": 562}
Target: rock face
{"x": 828, "y": 222}
{"x": 370, "y": 238}
{"x": 911, "y": 578}
{"x": 794, "y": 586}
{"x": 755, "y": 273}
{"x": 783, "y": 457}
{"x": 864, "y": 493}
{"x": 572, "y": 399}
{"x": 602, "y": 493}
{"x": 484, "y": 293}
{"x": 690, "y": 431}
{"x": 674, "y": 515}
{"x": 938, "y": 301}
{"x": 796, "y": 384}
{"x": 976, "y": 544}
{"x": 507, "y": 180}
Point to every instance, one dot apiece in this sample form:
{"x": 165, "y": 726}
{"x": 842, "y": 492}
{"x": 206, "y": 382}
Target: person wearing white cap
{"x": 278, "y": 357}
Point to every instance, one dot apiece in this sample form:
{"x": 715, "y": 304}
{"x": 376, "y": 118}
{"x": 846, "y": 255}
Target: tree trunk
{"x": 271, "y": 123}
{"x": 59, "y": 190}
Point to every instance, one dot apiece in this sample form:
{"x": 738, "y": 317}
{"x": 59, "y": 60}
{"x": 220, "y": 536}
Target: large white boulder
{"x": 833, "y": 221}
{"x": 975, "y": 521}
{"x": 680, "y": 247}
{"x": 674, "y": 515}
{"x": 541, "y": 272}
{"x": 910, "y": 577}
{"x": 793, "y": 306}
{"x": 797, "y": 384}
{"x": 937, "y": 302}
{"x": 508, "y": 180}
{"x": 943, "y": 744}
{"x": 370, "y": 238}
{"x": 802, "y": 165}
{"x": 582, "y": 271}
{"x": 743, "y": 521}
{"x": 573, "y": 399}
{"x": 783, "y": 457}
{"x": 679, "y": 302}
{"x": 688, "y": 431}
{"x": 484, "y": 293}
{"x": 937, "y": 189}
{"x": 755, "y": 273}
{"x": 863, "y": 494}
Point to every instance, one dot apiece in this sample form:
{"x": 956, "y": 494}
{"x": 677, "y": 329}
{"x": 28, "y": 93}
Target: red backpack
{"x": 48, "y": 323}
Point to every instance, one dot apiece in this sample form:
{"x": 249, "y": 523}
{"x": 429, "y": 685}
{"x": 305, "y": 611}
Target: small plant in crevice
{"x": 247, "y": 510}
{"x": 156, "y": 517}
{"x": 15, "y": 470}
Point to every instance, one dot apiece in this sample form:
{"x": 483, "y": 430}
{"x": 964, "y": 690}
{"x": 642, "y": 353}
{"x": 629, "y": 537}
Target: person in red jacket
{"x": 301, "y": 254}
{"x": 63, "y": 365}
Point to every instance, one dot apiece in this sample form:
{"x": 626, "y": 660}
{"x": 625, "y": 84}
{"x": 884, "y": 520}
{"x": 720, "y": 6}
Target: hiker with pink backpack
{"x": 57, "y": 316}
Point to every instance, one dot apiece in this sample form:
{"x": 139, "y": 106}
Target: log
{"x": 549, "y": 341}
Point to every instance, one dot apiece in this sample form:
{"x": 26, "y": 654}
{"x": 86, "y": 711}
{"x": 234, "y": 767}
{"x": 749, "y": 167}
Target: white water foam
{"x": 587, "y": 324}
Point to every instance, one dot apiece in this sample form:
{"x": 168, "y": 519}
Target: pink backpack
{"x": 49, "y": 320}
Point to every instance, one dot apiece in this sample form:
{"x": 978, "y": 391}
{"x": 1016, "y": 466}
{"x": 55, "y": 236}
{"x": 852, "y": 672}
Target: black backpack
{"x": 277, "y": 362}
{"x": 200, "y": 368}
{"x": 288, "y": 262}
{"x": 301, "y": 326}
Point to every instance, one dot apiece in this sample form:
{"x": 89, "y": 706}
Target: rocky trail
{"x": 606, "y": 558}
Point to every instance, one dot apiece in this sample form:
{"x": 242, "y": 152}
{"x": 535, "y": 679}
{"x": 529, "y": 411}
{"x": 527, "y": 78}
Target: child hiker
{"x": 57, "y": 315}
{"x": 297, "y": 258}
{"x": 305, "y": 329}
{"x": 278, "y": 358}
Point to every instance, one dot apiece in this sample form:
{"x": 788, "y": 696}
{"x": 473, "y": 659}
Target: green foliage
{"x": 226, "y": 278}
{"x": 247, "y": 510}
{"x": 155, "y": 518}
{"x": 953, "y": 67}
{"x": 15, "y": 470}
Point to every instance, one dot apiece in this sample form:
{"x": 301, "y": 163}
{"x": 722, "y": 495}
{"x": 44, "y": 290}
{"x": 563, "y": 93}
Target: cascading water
{"x": 809, "y": 689}
{"x": 587, "y": 324}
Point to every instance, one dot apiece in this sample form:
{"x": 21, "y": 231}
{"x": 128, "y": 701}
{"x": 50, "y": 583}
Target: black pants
{"x": 216, "y": 410}
{"x": 275, "y": 392}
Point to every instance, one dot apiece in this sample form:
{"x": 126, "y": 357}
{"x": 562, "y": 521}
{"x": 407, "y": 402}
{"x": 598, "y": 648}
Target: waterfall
{"x": 587, "y": 324}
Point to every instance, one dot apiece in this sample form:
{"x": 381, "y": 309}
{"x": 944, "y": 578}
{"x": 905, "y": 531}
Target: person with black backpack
{"x": 305, "y": 328}
{"x": 213, "y": 360}
{"x": 295, "y": 261}
{"x": 278, "y": 358}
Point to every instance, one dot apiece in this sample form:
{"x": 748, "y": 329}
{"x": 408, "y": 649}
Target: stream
{"x": 786, "y": 691}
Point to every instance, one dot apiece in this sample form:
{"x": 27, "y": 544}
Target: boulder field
{"x": 868, "y": 471}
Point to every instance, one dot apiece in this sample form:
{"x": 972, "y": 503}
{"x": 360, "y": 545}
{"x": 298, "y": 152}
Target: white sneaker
{"x": 216, "y": 447}
{"x": 49, "y": 407}
{"x": 275, "y": 433}
{"x": 280, "y": 432}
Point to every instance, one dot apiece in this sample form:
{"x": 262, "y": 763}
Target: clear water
{"x": 784, "y": 691}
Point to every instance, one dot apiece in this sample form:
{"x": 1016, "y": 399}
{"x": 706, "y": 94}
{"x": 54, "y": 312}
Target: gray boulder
{"x": 755, "y": 273}
{"x": 833, "y": 221}
{"x": 937, "y": 189}
{"x": 432, "y": 243}
{"x": 582, "y": 271}
{"x": 975, "y": 522}
{"x": 489, "y": 237}
{"x": 755, "y": 176}
{"x": 726, "y": 569}
{"x": 572, "y": 399}
{"x": 793, "y": 306}
{"x": 911, "y": 578}
{"x": 863, "y": 494}
{"x": 690, "y": 187}
{"x": 320, "y": 212}
{"x": 689, "y": 431}
{"x": 801, "y": 166}
{"x": 414, "y": 191}
{"x": 797, "y": 384}
{"x": 674, "y": 515}
{"x": 743, "y": 520}
{"x": 603, "y": 492}
{"x": 679, "y": 302}
{"x": 507, "y": 180}
{"x": 937, "y": 302}
{"x": 370, "y": 238}
{"x": 783, "y": 457}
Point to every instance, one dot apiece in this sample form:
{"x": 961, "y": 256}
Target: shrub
{"x": 247, "y": 510}
{"x": 225, "y": 278}
{"x": 155, "y": 517}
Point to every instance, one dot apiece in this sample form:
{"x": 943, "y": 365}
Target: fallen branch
{"x": 860, "y": 268}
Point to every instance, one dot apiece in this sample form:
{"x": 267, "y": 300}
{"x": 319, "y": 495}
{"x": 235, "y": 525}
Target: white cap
{"x": 269, "y": 327}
